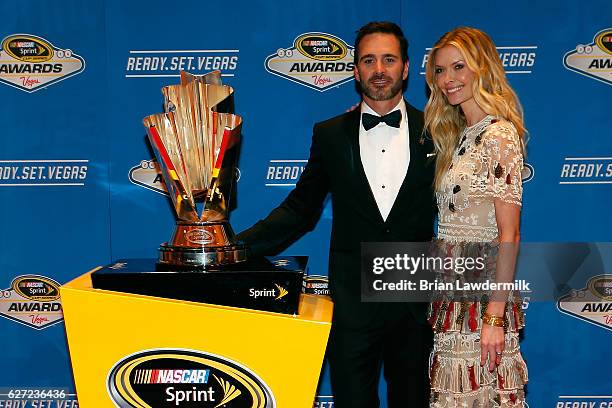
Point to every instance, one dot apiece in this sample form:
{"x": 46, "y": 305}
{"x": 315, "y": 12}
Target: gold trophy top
{"x": 190, "y": 140}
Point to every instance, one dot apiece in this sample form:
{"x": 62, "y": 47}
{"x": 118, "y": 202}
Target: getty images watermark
{"x": 426, "y": 271}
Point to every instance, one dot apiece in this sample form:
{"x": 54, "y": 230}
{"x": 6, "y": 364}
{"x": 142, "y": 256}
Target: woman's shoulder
{"x": 500, "y": 130}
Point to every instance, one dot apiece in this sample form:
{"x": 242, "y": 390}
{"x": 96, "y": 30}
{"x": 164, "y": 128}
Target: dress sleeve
{"x": 504, "y": 157}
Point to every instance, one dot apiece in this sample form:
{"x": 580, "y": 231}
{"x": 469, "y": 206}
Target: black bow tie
{"x": 391, "y": 119}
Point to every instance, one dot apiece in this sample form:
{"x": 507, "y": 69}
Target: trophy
{"x": 195, "y": 147}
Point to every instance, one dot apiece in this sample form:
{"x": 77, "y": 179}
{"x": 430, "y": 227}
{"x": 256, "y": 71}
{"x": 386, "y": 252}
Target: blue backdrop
{"x": 78, "y": 188}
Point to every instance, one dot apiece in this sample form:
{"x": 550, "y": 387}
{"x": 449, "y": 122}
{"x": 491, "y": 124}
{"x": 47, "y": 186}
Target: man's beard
{"x": 380, "y": 94}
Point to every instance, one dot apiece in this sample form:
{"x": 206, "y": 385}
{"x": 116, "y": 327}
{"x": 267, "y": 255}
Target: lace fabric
{"x": 462, "y": 311}
{"x": 458, "y": 379}
{"x": 486, "y": 165}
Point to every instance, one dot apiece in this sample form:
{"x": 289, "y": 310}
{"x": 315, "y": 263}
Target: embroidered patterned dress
{"x": 486, "y": 165}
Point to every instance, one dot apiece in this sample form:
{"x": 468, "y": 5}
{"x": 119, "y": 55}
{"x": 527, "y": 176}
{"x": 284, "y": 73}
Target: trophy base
{"x": 190, "y": 258}
{"x": 273, "y": 284}
{"x": 201, "y": 245}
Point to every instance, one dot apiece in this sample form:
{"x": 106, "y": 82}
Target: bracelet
{"x": 493, "y": 320}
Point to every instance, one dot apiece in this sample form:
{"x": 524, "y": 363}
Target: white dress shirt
{"x": 385, "y": 155}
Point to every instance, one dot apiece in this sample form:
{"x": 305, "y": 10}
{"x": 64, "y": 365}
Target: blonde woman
{"x": 475, "y": 120}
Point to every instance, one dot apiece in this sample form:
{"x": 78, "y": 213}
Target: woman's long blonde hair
{"x": 490, "y": 88}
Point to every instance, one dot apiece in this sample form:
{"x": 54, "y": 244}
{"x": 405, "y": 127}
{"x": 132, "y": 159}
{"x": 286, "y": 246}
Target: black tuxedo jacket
{"x": 335, "y": 167}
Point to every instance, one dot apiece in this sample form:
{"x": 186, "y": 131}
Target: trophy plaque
{"x": 195, "y": 145}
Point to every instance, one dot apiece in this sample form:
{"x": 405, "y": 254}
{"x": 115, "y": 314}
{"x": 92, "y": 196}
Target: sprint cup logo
{"x": 32, "y": 300}
{"x": 592, "y": 304}
{"x": 185, "y": 378}
{"x": 593, "y": 60}
{"x": 29, "y": 63}
{"x": 518, "y": 59}
{"x": 317, "y": 60}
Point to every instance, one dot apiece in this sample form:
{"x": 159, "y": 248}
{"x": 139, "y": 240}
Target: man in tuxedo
{"x": 373, "y": 161}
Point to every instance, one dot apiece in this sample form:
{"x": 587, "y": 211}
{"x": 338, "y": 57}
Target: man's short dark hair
{"x": 385, "y": 27}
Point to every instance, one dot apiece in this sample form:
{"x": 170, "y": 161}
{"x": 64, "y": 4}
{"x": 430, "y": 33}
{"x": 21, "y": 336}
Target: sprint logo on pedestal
{"x": 316, "y": 285}
{"x": 29, "y": 62}
{"x": 185, "y": 378}
{"x": 317, "y": 60}
{"x": 32, "y": 300}
{"x": 277, "y": 293}
{"x": 593, "y": 60}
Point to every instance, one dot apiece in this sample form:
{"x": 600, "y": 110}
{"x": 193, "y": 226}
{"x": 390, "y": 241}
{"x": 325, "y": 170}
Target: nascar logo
{"x": 319, "y": 61}
{"x": 592, "y": 304}
{"x": 171, "y": 376}
{"x": 188, "y": 378}
{"x": 32, "y": 300}
{"x": 593, "y": 60}
{"x": 29, "y": 62}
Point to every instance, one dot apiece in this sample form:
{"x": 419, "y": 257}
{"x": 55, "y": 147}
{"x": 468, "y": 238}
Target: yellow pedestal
{"x": 104, "y": 328}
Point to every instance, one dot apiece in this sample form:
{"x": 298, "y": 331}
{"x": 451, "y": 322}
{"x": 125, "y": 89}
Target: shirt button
{"x": 383, "y": 150}
{"x": 383, "y": 186}
{"x": 387, "y": 230}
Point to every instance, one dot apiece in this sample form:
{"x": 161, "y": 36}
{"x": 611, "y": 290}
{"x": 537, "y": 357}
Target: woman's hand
{"x": 491, "y": 344}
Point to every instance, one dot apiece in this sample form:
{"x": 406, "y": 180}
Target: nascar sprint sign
{"x": 594, "y": 59}
{"x": 317, "y": 60}
{"x": 29, "y": 63}
{"x": 185, "y": 378}
{"x": 33, "y": 301}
